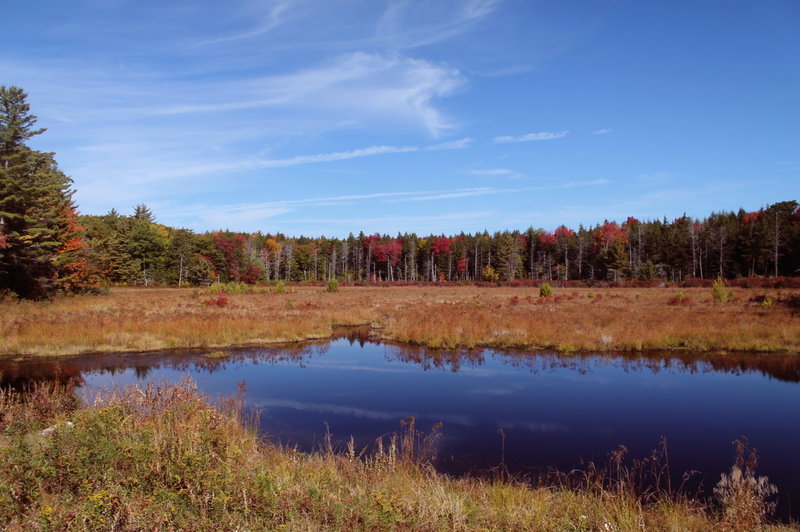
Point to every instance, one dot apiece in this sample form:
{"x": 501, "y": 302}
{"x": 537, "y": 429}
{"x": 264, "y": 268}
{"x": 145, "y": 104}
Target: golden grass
{"x": 164, "y": 458}
{"x": 459, "y": 316}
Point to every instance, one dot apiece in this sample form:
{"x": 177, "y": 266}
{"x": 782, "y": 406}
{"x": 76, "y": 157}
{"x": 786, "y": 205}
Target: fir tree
{"x": 35, "y": 205}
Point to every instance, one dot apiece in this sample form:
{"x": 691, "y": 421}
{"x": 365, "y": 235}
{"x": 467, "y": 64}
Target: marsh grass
{"x": 627, "y": 319}
{"x": 165, "y": 457}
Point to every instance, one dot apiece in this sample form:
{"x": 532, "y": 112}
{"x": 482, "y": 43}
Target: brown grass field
{"x": 615, "y": 319}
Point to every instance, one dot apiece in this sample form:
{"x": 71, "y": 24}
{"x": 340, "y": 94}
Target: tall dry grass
{"x": 165, "y": 458}
{"x": 570, "y": 320}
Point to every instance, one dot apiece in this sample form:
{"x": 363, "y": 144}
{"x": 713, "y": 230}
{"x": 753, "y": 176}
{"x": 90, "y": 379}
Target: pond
{"x": 555, "y": 411}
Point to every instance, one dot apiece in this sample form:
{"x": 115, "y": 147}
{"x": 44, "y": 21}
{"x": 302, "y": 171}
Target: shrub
{"x": 333, "y": 286}
{"x": 718, "y": 292}
{"x": 231, "y": 287}
{"x": 490, "y": 274}
{"x": 745, "y": 497}
{"x": 545, "y": 290}
{"x": 220, "y": 301}
{"x": 679, "y": 299}
{"x": 280, "y": 287}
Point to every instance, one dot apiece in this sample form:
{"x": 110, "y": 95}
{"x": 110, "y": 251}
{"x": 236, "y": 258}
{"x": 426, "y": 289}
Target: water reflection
{"x": 15, "y": 372}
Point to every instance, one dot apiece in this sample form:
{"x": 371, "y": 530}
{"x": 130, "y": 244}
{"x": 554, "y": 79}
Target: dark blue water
{"x": 554, "y": 411}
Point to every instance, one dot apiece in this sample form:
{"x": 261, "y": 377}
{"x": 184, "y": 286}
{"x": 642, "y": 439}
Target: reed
{"x": 620, "y": 319}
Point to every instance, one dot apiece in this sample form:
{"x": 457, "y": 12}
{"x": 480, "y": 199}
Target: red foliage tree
{"x": 546, "y": 240}
{"x": 463, "y": 265}
{"x": 389, "y": 252}
{"x": 750, "y": 217}
{"x": 608, "y": 235}
{"x": 238, "y": 265}
{"x": 441, "y": 245}
{"x": 371, "y": 241}
{"x": 74, "y": 269}
{"x": 563, "y": 232}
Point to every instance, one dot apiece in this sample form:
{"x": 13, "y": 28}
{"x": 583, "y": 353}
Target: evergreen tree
{"x": 35, "y": 205}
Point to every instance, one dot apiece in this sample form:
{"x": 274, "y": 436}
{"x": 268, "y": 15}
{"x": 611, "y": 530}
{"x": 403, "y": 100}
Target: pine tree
{"x": 35, "y": 204}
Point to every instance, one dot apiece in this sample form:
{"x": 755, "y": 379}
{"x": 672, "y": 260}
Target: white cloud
{"x": 335, "y": 156}
{"x": 511, "y": 174}
{"x": 451, "y": 145}
{"x": 593, "y": 182}
{"x": 543, "y": 135}
{"x": 407, "y": 25}
{"x": 461, "y": 193}
{"x": 363, "y": 89}
{"x": 267, "y": 20}
{"x": 603, "y": 131}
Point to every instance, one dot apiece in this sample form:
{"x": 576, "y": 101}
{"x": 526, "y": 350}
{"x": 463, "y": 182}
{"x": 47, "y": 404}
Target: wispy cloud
{"x": 511, "y": 174}
{"x": 268, "y": 19}
{"x": 494, "y": 171}
{"x": 542, "y": 135}
{"x": 590, "y": 183}
{"x": 292, "y": 215}
{"x": 400, "y": 25}
{"x": 655, "y": 177}
{"x": 451, "y": 145}
{"x": 335, "y": 156}
{"x": 604, "y": 131}
{"x": 363, "y": 90}
{"x": 462, "y": 193}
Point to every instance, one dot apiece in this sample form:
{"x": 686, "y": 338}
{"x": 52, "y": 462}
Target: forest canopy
{"x": 134, "y": 249}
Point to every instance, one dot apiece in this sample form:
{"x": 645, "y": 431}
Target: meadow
{"x": 571, "y": 319}
{"x": 152, "y": 457}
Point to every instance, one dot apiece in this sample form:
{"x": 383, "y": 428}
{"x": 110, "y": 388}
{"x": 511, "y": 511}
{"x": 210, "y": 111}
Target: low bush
{"x": 221, "y": 300}
{"x": 545, "y": 290}
{"x": 332, "y": 286}
{"x": 678, "y": 299}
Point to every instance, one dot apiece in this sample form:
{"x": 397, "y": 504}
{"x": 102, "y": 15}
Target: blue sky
{"x": 326, "y": 117}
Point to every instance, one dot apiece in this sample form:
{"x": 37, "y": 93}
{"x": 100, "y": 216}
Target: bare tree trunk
{"x": 777, "y": 243}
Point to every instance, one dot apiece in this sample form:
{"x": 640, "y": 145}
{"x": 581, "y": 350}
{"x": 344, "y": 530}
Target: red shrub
{"x": 220, "y": 301}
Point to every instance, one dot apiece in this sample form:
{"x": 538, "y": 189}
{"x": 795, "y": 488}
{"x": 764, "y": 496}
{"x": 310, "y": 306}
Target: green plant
{"x": 767, "y": 302}
{"x": 490, "y": 274}
{"x": 333, "y": 286}
{"x": 231, "y": 287}
{"x": 545, "y": 290}
{"x": 678, "y": 299}
{"x": 280, "y": 287}
{"x": 718, "y": 293}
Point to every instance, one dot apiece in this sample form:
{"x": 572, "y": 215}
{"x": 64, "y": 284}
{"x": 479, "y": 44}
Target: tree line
{"x": 134, "y": 249}
{"x": 46, "y": 247}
